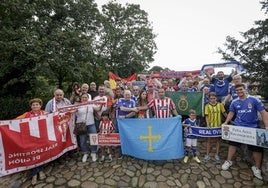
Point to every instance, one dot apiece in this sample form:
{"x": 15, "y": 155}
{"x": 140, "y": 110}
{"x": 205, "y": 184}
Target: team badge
{"x": 226, "y": 132}
{"x": 183, "y": 103}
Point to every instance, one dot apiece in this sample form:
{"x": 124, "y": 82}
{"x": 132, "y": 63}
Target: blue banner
{"x": 205, "y": 132}
{"x": 152, "y": 139}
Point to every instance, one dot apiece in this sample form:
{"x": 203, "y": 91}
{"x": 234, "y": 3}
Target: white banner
{"x": 245, "y": 135}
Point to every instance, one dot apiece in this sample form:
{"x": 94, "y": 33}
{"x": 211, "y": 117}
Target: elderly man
{"x": 126, "y": 106}
{"x": 57, "y": 102}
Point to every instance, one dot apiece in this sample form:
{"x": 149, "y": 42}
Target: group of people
{"x": 128, "y": 101}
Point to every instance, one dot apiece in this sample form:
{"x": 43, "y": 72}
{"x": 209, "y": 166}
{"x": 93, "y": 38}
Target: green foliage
{"x": 49, "y": 44}
{"x": 126, "y": 42}
{"x": 252, "y": 53}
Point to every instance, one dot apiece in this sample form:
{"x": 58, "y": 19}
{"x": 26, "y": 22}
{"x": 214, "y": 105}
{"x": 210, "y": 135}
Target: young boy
{"x": 213, "y": 115}
{"x": 191, "y": 140}
{"x": 106, "y": 127}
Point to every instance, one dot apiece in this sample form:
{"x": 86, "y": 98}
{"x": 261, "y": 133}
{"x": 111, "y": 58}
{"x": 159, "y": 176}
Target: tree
{"x": 252, "y": 52}
{"x": 67, "y": 30}
{"x": 126, "y": 42}
{"x": 156, "y": 68}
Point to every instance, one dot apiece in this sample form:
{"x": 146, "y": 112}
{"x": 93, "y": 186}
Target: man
{"x": 57, "y": 102}
{"x": 108, "y": 89}
{"x": 152, "y": 93}
{"x": 163, "y": 107}
{"x": 246, "y": 109}
{"x": 136, "y": 92}
{"x": 206, "y": 83}
{"x": 93, "y": 90}
{"x": 106, "y": 106}
{"x": 126, "y": 106}
{"x": 221, "y": 84}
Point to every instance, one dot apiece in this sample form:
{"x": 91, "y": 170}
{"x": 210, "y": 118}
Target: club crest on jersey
{"x": 249, "y": 105}
{"x": 183, "y": 103}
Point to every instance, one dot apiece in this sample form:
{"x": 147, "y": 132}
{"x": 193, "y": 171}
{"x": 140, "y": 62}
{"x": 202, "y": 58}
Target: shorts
{"x": 250, "y": 147}
{"x": 191, "y": 142}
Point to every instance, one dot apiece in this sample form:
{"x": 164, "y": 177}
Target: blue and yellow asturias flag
{"x": 152, "y": 139}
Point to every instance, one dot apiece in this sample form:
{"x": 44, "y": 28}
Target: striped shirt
{"x": 214, "y": 113}
{"x": 106, "y": 127}
{"x": 162, "y": 107}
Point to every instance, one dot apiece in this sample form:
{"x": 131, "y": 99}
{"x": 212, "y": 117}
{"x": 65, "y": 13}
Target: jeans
{"x": 36, "y": 170}
{"x": 84, "y": 137}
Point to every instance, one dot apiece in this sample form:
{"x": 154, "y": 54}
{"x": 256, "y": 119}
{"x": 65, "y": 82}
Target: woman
{"x": 85, "y": 114}
{"x": 35, "y": 105}
{"x": 142, "y": 108}
{"x": 76, "y": 93}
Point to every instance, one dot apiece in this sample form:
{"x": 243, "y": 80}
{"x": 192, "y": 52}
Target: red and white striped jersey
{"x": 162, "y": 107}
{"x": 106, "y": 127}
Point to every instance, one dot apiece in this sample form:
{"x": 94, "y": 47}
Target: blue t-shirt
{"x": 247, "y": 111}
{"x": 232, "y": 92}
{"x": 126, "y": 103}
{"x": 210, "y": 86}
{"x": 188, "y": 130}
{"x": 222, "y": 86}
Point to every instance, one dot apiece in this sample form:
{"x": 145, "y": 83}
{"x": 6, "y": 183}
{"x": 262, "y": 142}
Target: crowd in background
{"x": 127, "y": 100}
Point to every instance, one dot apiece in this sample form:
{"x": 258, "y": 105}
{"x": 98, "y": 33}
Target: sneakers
{"x": 94, "y": 157}
{"x": 197, "y": 159}
{"x": 42, "y": 175}
{"x": 109, "y": 159}
{"x": 186, "y": 158}
{"x": 226, "y": 165}
{"x": 101, "y": 159}
{"x": 256, "y": 172}
{"x": 34, "y": 179}
{"x": 84, "y": 159}
{"x": 120, "y": 156}
{"x": 206, "y": 159}
{"x": 217, "y": 158}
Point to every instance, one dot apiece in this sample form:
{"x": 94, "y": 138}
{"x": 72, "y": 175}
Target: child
{"x": 213, "y": 114}
{"x": 106, "y": 127}
{"x": 35, "y": 105}
{"x": 191, "y": 140}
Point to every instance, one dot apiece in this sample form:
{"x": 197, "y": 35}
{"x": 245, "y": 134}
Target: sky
{"x": 189, "y": 32}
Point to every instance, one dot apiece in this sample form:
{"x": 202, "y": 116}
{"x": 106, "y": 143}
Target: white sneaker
{"x": 226, "y": 165}
{"x": 94, "y": 157}
{"x": 256, "y": 172}
{"x": 84, "y": 159}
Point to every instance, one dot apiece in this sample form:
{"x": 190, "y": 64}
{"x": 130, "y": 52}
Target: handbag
{"x": 81, "y": 128}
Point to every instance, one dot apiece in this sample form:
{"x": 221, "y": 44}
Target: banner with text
{"x": 204, "y": 131}
{"x": 245, "y": 135}
{"x": 31, "y": 142}
{"x": 111, "y": 139}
